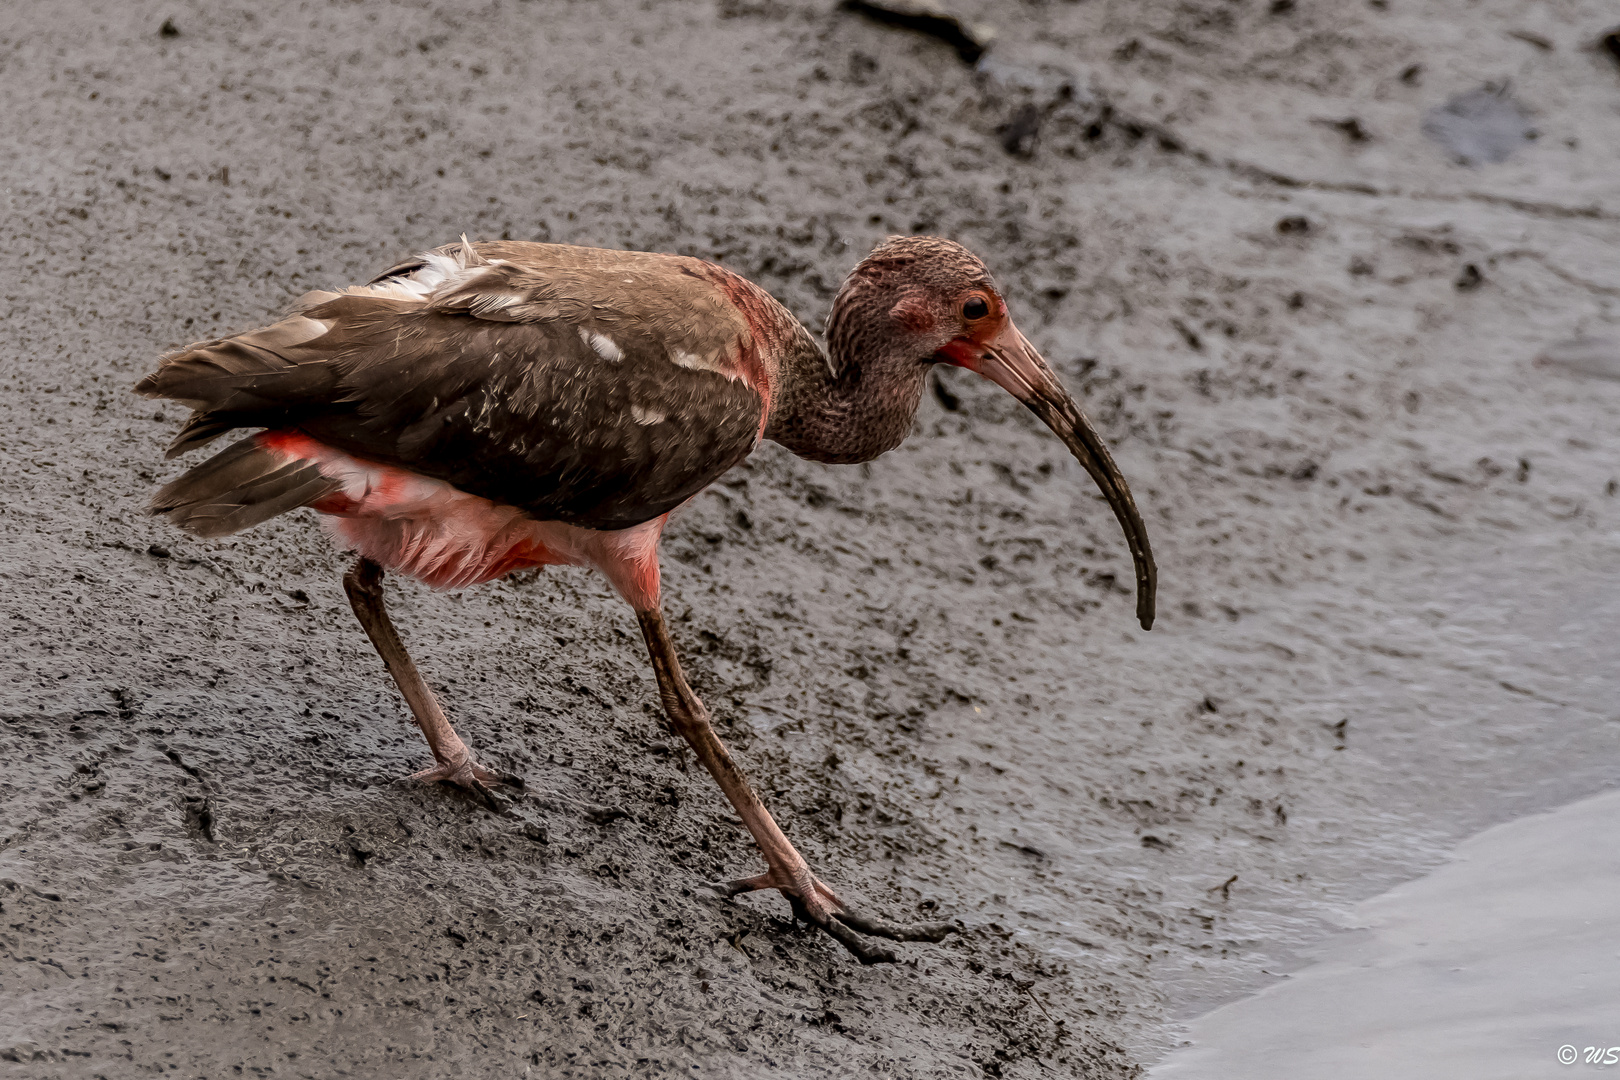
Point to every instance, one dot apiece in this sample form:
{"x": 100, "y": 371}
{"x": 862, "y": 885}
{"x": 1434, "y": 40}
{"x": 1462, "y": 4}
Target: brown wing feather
{"x": 522, "y": 410}
{"x": 239, "y": 487}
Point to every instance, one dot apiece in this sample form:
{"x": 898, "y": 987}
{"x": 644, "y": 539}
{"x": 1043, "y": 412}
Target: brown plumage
{"x": 513, "y": 403}
{"x": 486, "y": 407}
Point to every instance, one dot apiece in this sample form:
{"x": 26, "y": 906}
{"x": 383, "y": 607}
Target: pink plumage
{"x": 448, "y": 539}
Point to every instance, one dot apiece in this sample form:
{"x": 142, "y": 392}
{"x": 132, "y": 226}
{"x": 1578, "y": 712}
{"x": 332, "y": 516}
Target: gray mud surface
{"x": 1387, "y": 540}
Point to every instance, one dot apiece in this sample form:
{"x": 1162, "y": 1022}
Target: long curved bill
{"x": 1012, "y": 363}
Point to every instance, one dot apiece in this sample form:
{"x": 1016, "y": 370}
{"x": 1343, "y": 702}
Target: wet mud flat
{"x": 1385, "y": 535}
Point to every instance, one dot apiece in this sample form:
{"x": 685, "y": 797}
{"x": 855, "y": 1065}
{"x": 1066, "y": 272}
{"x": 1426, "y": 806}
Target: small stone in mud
{"x": 157, "y": 551}
{"x": 168, "y": 29}
{"x": 1470, "y": 278}
{"x": 1294, "y": 225}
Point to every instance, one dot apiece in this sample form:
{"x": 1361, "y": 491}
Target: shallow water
{"x": 1500, "y": 964}
{"x": 1483, "y": 126}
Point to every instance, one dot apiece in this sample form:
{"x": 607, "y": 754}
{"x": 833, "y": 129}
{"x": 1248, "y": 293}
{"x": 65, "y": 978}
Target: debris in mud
{"x": 1350, "y": 127}
{"x": 969, "y": 39}
{"x": 1019, "y": 132}
{"x": 1483, "y": 126}
{"x": 1470, "y": 278}
{"x": 199, "y": 817}
{"x": 1596, "y": 356}
{"x": 1530, "y": 37}
{"x": 168, "y": 29}
{"x": 1027, "y": 849}
{"x": 358, "y": 853}
{"x": 739, "y": 9}
{"x": 23, "y": 1053}
{"x": 606, "y": 815}
{"x": 1189, "y": 335}
{"x": 1048, "y": 101}
{"x": 1294, "y": 225}
{"x": 1611, "y": 43}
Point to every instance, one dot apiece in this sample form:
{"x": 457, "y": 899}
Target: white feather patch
{"x": 647, "y": 417}
{"x": 604, "y": 346}
{"x": 435, "y": 270}
{"x": 441, "y": 272}
{"x": 699, "y": 363}
{"x": 393, "y": 288}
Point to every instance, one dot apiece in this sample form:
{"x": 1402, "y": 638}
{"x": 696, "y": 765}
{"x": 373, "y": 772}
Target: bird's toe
{"x": 728, "y": 889}
{"x": 883, "y": 928}
{"x": 813, "y": 902}
{"x": 472, "y": 778}
{"x": 861, "y": 947}
{"x": 495, "y": 776}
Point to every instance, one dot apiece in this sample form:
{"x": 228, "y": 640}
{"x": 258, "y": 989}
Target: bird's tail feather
{"x": 240, "y": 486}
{"x": 263, "y": 378}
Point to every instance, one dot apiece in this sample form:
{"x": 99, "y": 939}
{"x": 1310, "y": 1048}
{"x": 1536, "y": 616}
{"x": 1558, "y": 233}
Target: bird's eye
{"x": 975, "y": 308}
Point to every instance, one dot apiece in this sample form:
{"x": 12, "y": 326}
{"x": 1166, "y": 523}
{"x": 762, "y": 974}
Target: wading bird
{"x": 487, "y": 407}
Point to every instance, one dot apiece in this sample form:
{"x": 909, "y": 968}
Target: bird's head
{"x": 932, "y": 301}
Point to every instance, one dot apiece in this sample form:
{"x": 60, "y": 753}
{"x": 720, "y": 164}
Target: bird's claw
{"x": 850, "y": 928}
{"x": 472, "y": 778}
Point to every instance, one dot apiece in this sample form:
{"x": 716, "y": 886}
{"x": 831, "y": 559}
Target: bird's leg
{"x": 812, "y": 900}
{"x": 363, "y": 583}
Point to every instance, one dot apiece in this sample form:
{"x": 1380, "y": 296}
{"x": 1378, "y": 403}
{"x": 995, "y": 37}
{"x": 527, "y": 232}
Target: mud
{"x": 1387, "y": 540}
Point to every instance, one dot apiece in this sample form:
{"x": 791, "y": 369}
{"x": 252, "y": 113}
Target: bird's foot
{"x": 815, "y": 903}
{"x": 472, "y": 778}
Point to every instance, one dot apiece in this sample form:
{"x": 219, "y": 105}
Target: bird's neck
{"x": 846, "y": 405}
